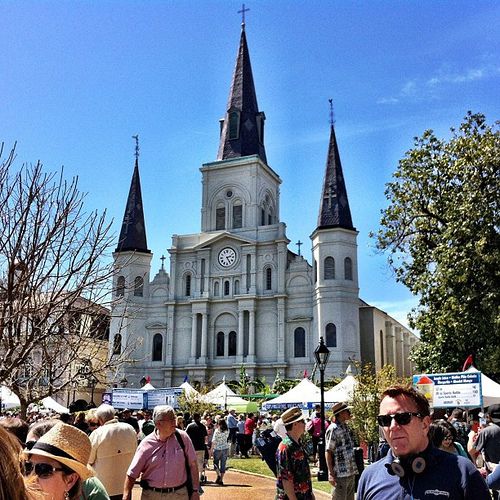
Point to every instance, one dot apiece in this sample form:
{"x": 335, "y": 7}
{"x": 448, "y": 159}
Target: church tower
{"x": 335, "y": 267}
{"x": 132, "y": 261}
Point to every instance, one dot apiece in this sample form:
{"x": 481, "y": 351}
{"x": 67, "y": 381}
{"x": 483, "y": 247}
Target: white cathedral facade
{"x": 235, "y": 294}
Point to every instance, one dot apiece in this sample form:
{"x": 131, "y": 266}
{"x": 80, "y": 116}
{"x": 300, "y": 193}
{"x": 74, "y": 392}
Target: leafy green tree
{"x": 366, "y": 400}
{"x": 193, "y": 403}
{"x": 441, "y": 230}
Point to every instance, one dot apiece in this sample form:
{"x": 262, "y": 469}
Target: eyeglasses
{"x": 403, "y": 418}
{"x": 448, "y": 438}
{"x": 42, "y": 470}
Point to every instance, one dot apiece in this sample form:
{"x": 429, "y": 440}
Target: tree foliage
{"x": 55, "y": 274}
{"x": 366, "y": 399}
{"x": 441, "y": 230}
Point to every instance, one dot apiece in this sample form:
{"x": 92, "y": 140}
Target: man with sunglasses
{"x": 413, "y": 468}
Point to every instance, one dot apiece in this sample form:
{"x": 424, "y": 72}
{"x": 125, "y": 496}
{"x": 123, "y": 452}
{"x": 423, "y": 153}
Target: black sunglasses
{"x": 403, "y": 418}
{"x": 41, "y": 470}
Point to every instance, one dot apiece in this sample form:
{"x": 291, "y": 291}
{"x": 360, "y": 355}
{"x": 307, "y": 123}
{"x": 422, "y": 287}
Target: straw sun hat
{"x": 292, "y": 415}
{"x": 68, "y": 445}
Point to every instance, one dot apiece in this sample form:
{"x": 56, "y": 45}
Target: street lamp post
{"x": 322, "y": 354}
{"x": 92, "y": 383}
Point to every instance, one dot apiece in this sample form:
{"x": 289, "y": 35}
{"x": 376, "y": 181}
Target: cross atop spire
{"x": 332, "y": 121}
{"x": 242, "y": 12}
{"x": 136, "y": 138}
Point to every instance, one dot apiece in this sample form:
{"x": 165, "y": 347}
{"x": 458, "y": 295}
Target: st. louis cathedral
{"x": 235, "y": 293}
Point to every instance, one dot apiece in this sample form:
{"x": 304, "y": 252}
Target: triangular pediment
{"x": 208, "y": 240}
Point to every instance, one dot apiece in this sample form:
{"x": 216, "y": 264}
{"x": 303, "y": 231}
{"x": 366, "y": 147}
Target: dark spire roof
{"x": 133, "y": 231}
{"x": 334, "y": 206}
{"x": 246, "y": 137}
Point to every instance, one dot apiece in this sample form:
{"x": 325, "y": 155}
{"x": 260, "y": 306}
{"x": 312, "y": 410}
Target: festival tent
{"x": 224, "y": 397}
{"x": 304, "y": 395}
{"x": 148, "y": 387}
{"x": 342, "y": 392}
{"x": 489, "y": 388}
{"x": 52, "y": 404}
{"x": 8, "y": 398}
{"x": 189, "y": 389}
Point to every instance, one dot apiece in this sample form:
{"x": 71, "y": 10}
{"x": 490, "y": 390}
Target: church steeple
{"x": 334, "y": 208}
{"x": 133, "y": 231}
{"x": 242, "y": 128}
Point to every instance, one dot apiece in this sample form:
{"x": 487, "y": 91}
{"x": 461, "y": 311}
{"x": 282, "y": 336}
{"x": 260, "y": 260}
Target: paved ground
{"x": 242, "y": 486}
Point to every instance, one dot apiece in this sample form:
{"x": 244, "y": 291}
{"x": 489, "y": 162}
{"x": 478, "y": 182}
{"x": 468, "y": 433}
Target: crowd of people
{"x": 101, "y": 454}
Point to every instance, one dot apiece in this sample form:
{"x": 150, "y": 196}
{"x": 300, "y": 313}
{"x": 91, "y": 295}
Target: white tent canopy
{"x": 9, "y": 399}
{"x": 489, "y": 388}
{"x": 52, "y": 404}
{"x": 223, "y": 396}
{"x": 304, "y": 395}
{"x": 189, "y": 389}
{"x": 148, "y": 387}
{"x": 342, "y": 392}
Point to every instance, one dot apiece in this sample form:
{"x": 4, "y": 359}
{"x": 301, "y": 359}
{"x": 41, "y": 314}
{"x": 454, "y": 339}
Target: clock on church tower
{"x": 227, "y": 257}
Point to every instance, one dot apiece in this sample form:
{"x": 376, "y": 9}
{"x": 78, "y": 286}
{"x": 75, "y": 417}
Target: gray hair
{"x": 161, "y": 411}
{"x": 105, "y": 412}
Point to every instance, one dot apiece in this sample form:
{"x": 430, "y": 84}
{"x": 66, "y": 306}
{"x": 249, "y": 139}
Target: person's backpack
{"x": 462, "y": 432}
{"x": 267, "y": 443}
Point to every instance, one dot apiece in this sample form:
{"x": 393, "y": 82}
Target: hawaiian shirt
{"x": 293, "y": 465}
{"x": 340, "y": 442}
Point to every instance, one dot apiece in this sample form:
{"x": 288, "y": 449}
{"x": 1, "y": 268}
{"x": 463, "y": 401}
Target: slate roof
{"x": 133, "y": 231}
{"x": 242, "y": 98}
{"x": 334, "y": 208}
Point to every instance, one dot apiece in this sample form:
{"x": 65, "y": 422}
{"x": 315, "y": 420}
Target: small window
{"x": 299, "y": 342}
{"x": 249, "y": 271}
{"x": 202, "y": 278}
{"x": 220, "y": 218}
{"x": 329, "y": 272}
{"x": 262, "y": 217}
{"x": 120, "y": 286}
{"x": 234, "y": 125}
{"x": 117, "y": 344}
{"x": 232, "y": 344}
{"x": 226, "y": 287}
{"x": 220, "y": 344}
{"x": 269, "y": 278}
{"x": 348, "y": 268}
{"x": 188, "y": 285}
{"x": 138, "y": 286}
{"x": 216, "y": 289}
{"x": 236, "y": 287}
{"x": 157, "y": 347}
{"x": 270, "y": 218}
{"x": 237, "y": 216}
{"x": 331, "y": 335}
{"x": 315, "y": 272}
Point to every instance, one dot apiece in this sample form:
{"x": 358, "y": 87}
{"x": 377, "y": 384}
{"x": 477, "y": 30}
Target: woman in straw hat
{"x": 12, "y": 486}
{"x": 58, "y": 461}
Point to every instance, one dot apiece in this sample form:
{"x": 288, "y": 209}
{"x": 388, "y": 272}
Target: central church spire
{"x": 242, "y": 128}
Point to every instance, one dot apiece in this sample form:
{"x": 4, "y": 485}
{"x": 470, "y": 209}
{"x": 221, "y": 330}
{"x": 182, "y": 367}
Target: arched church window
{"x": 157, "y": 353}
{"x": 220, "y": 218}
{"x": 187, "y": 285}
{"x": 220, "y": 344}
{"x": 331, "y": 335}
{"x": 226, "y": 287}
{"x": 269, "y": 278}
{"x": 299, "y": 342}
{"x": 117, "y": 344}
{"x": 232, "y": 344}
{"x": 348, "y": 268}
{"x": 120, "y": 286}
{"x": 236, "y": 287}
{"x": 262, "y": 217}
{"x": 237, "y": 216}
{"x": 138, "y": 286}
{"x": 216, "y": 289}
{"x": 249, "y": 271}
{"x": 329, "y": 271}
{"x": 234, "y": 125}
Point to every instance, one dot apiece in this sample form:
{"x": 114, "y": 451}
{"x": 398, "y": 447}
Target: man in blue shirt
{"x": 232, "y": 425}
{"x": 413, "y": 469}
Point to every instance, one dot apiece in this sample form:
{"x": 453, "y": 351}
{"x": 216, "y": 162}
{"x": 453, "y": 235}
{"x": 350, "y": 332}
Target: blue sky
{"x": 78, "y": 79}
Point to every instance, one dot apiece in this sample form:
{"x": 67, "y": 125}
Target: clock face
{"x": 227, "y": 257}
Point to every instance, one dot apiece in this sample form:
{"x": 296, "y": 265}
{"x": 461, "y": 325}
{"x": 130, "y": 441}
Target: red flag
{"x": 468, "y": 362}
{"x": 148, "y": 379}
{"x": 305, "y": 373}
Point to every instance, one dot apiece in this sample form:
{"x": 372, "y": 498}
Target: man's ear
{"x": 426, "y": 423}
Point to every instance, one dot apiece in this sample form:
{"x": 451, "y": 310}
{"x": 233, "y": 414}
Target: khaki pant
{"x": 344, "y": 489}
{"x": 180, "y": 494}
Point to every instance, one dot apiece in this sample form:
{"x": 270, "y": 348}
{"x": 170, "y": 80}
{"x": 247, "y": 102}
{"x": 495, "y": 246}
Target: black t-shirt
{"x": 197, "y": 432}
{"x": 489, "y": 441}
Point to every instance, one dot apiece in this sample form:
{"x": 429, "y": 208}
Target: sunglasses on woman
{"x": 403, "y": 418}
{"x": 41, "y": 470}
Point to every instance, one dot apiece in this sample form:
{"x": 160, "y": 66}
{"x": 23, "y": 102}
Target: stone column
{"x": 204, "y": 336}
{"x": 193, "y": 338}
{"x": 251, "y": 336}
{"x": 241, "y": 333}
